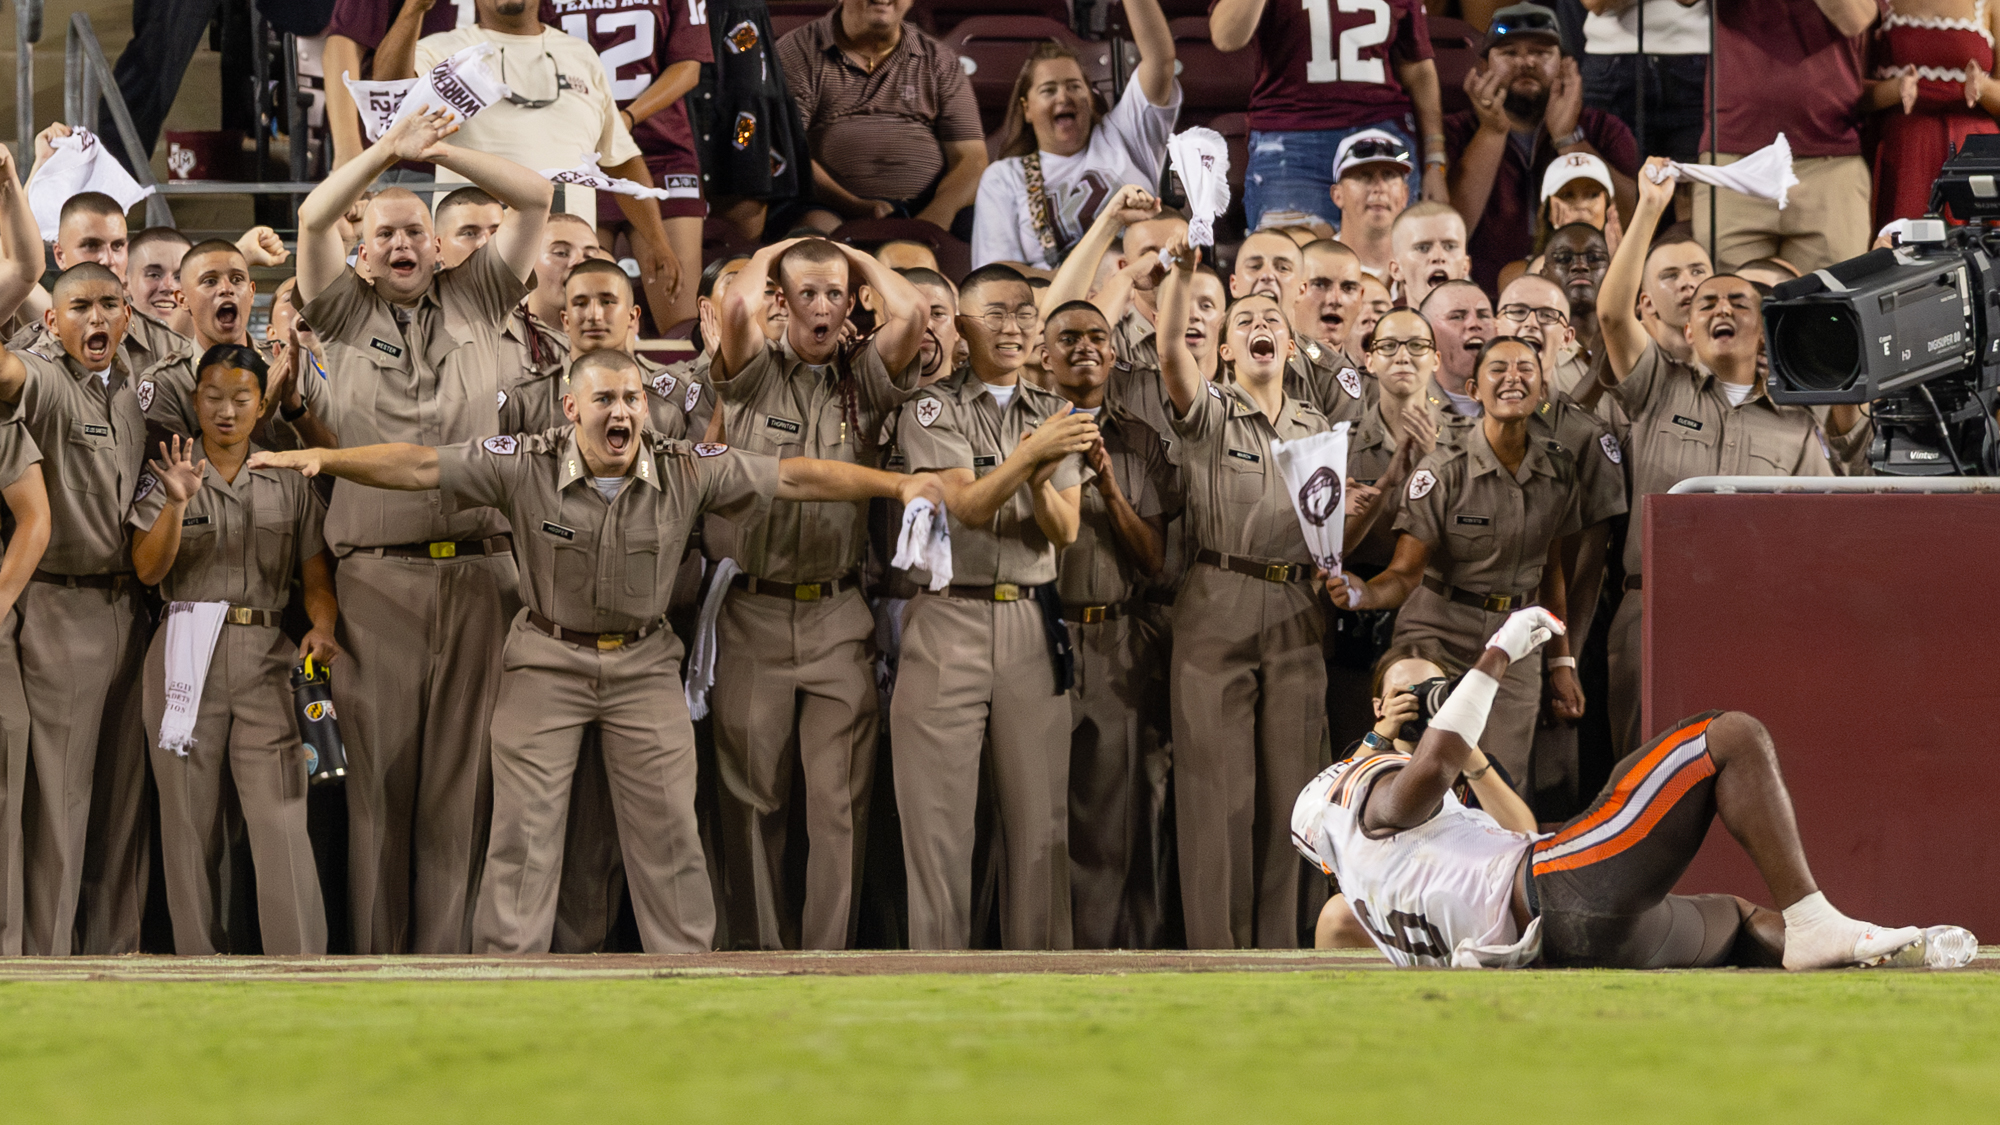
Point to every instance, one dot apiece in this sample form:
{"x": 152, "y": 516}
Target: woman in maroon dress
{"x": 1933, "y": 87}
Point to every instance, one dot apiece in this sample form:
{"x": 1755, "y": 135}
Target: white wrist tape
{"x": 1464, "y": 713}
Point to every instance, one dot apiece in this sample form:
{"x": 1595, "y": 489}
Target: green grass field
{"x": 1212, "y": 1047}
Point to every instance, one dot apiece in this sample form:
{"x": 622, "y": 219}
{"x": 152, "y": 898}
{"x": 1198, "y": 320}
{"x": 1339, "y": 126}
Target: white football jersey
{"x": 1421, "y": 891}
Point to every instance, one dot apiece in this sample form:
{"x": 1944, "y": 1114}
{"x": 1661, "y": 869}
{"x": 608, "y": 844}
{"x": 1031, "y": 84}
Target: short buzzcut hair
{"x": 210, "y": 246}
{"x": 1678, "y": 238}
{"x": 1076, "y": 306}
{"x": 1423, "y": 209}
{"x": 89, "y": 203}
{"x": 992, "y": 274}
{"x": 1329, "y": 246}
{"x": 592, "y": 266}
{"x": 151, "y": 235}
{"x": 1448, "y": 286}
{"x": 807, "y": 252}
{"x": 605, "y": 359}
{"x": 467, "y": 196}
{"x": 81, "y": 273}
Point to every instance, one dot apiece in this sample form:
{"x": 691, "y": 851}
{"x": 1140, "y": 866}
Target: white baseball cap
{"x": 1576, "y": 166}
{"x": 1371, "y": 146}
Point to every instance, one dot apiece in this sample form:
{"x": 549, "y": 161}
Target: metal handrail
{"x": 1829, "y": 485}
{"x": 86, "y": 75}
{"x": 27, "y": 32}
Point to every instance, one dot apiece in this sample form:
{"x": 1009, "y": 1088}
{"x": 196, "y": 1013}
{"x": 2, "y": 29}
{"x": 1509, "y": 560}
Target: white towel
{"x": 925, "y": 543}
{"x": 192, "y": 629}
{"x": 700, "y": 670}
{"x": 462, "y": 83}
{"x": 1519, "y": 955}
{"x": 1315, "y": 471}
{"x": 78, "y": 164}
{"x": 1765, "y": 174}
{"x": 588, "y": 175}
{"x": 1201, "y": 158}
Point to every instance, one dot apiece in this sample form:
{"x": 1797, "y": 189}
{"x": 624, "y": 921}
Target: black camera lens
{"x": 1818, "y": 346}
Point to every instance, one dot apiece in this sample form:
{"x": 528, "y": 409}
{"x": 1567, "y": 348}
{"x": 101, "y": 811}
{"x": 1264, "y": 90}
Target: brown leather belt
{"x": 85, "y": 581}
{"x": 1491, "y": 603}
{"x": 998, "y": 592}
{"x": 794, "y": 592}
{"x": 603, "y": 642}
{"x": 245, "y": 615}
{"x": 444, "y": 548}
{"x": 1267, "y": 569}
{"x": 1634, "y": 581}
{"x": 1093, "y": 614}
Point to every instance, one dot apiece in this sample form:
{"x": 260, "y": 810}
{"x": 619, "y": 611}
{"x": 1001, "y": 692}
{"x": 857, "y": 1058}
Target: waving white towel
{"x": 700, "y": 670}
{"x": 1766, "y": 173}
{"x": 588, "y": 175}
{"x": 192, "y": 629}
{"x": 78, "y": 164}
{"x": 462, "y": 83}
{"x": 1201, "y": 158}
{"x": 925, "y": 543}
{"x": 1315, "y": 472}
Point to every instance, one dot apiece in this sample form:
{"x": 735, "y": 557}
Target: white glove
{"x": 1525, "y": 631}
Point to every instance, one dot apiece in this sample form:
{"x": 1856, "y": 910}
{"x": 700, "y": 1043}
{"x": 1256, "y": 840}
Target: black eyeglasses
{"x": 1591, "y": 258}
{"x": 1418, "y": 347}
{"x": 1519, "y": 314}
{"x": 1374, "y": 149}
{"x": 562, "y": 83}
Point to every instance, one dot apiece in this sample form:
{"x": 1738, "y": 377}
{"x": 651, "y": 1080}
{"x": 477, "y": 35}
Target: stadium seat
{"x": 947, "y": 15}
{"x": 1457, "y": 46}
{"x": 1212, "y": 83}
{"x": 954, "y": 257}
{"x": 992, "y": 49}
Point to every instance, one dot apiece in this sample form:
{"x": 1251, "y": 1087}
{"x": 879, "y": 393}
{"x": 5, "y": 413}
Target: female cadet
{"x": 1249, "y": 682}
{"x": 1480, "y": 537}
{"x": 209, "y": 530}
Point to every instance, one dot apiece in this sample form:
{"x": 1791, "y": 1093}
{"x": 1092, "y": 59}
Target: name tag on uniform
{"x": 381, "y": 345}
{"x": 985, "y": 462}
{"x": 96, "y": 431}
{"x": 785, "y": 424}
{"x": 558, "y": 530}
{"x": 194, "y": 521}
{"x": 1475, "y": 521}
{"x": 1244, "y": 455}
{"x": 1684, "y": 420}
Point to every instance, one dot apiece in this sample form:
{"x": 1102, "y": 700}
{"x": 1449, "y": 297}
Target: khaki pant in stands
{"x": 13, "y": 789}
{"x": 415, "y": 691}
{"x": 1463, "y": 630}
{"x": 1826, "y": 217}
{"x": 85, "y": 824}
{"x": 1110, "y": 797}
{"x": 551, "y": 690}
{"x": 794, "y": 682}
{"x": 970, "y": 668}
{"x": 1249, "y": 700}
{"x": 245, "y": 736}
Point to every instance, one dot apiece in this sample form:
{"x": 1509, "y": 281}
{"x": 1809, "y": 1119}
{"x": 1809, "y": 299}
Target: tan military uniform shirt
{"x": 592, "y": 565}
{"x": 1135, "y": 339}
{"x": 427, "y": 375}
{"x": 241, "y": 541}
{"x": 782, "y": 406}
{"x": 1683, "y": 426}
{"x": 17, "y": 453}
{"x": 957, "y": 424}
{"x": 92, "y": 437}
{"x": 1324, "y": 378}
{"x": 1489, "y": 531}
{"x": 1135, "y": 388}
{"x": 1096, "y": 570}
{"x": 1237, "y": 500}
{"x": 1600, "y": 460}
{"x": 161, "y": 362}
{"x": 1370, "y": 449}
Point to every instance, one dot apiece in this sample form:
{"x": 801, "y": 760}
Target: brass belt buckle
{"x": 239, "y": 615}
{"x": 1006, "y": 592}
{"x": 1498, "y": 603}
{"x": 610, "y": 642}
{"x": 807, "y": 592}
{"x": 1093, "y": 614}
{"x": 447, "y": 550}
{"x": 1278, "y": 572}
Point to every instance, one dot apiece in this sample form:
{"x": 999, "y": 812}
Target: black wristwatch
{"x": 290, "y": 415}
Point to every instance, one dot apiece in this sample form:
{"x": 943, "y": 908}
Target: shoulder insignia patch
{"x": 1350, "y": 381}
{"x": 1422, "y": 483}
{"x": 502, "y": 398}
{"x": 710, "y": 449}
{"x": 1611, "y": 451}
{"x": 664, "y": 384}
{"x": 928, "y": 410}
{"x": 146, "y": 392}
{"x": 1216, "y": 391}
{"x": 147, "y": 482}
{"x": 506, "y": 445}
{"x": 1312, "y": 349}
{"x": 693, "y": 396}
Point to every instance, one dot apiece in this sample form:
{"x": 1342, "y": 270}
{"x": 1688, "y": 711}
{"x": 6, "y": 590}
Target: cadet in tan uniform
{"x": 211, "y": 530}
{"x": 1481, "y": 527}
{"x": 977, "y": 657}
{"x": 1328, "y": 299}
{"x": 600, "y": 312}
{"x": 1461, "y": 318}
{"x": 1249, "y": 677}
{"x": 426, "y": 586}
{"x": 27, "y": 502}
{"x": 1120, "y": 546}
{"x": 81, "y": 634}
{"x": 1712, "y": 416}
{"x": 602, "y": 507}
{"x": 795, "y": 658}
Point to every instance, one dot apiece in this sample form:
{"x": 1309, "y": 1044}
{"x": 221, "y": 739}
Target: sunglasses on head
{"x": 1529, "y": 21}
{"x": 1375, "y": 149}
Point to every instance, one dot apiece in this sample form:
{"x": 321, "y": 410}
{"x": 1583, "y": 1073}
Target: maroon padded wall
{"x": 1864, "y": 630}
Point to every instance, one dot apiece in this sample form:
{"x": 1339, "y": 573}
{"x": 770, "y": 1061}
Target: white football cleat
{"x": 1940, "y": 947}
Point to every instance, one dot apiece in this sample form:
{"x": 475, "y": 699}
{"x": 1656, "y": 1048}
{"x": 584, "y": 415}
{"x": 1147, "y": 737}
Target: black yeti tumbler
{"x": 312, "y": 691}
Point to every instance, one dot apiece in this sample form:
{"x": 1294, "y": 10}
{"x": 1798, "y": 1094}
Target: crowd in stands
{"x": 636, "y": 650}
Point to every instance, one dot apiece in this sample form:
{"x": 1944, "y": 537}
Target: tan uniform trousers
{"x": 1249, "y": 699}
{"x": 1462, "y": 631}
{"x": 1110, "y": 794}
{"x": 551, "y": 690}
{"x": 1826, "y": 217}
{"x": 415, "y": 693}
{"x": 246, "y": 736}
{"x": 14, "y": 793}
{"x": 1627, "y": 672}
{"x": 794, "y": 681}
{"x": 85, "y": 824}
{"x": 970, "y": 668}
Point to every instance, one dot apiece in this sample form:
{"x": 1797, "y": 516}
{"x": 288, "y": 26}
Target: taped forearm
{"x": 1464, "y": 713}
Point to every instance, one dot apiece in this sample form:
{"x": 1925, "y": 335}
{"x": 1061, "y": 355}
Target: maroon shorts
{"x": 678, "y": 172}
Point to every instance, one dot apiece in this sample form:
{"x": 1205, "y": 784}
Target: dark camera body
{"x": 1431, "y": 695}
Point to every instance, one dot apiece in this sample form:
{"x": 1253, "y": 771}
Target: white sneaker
{"x": 1845, "y": 942}
{"x": 1940, "y": 947}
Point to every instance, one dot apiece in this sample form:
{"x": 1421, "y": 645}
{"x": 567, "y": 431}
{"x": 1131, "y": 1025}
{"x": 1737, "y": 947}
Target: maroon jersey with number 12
{"x": 1331, "y": 64}
{"x": 637, "y": 40}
